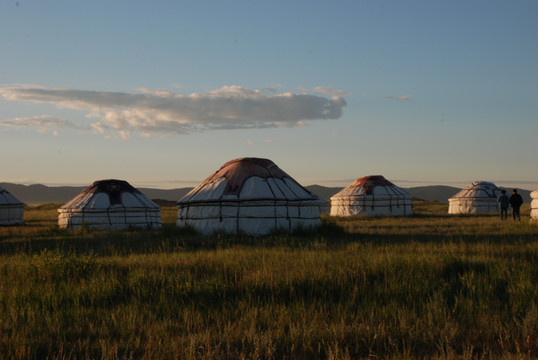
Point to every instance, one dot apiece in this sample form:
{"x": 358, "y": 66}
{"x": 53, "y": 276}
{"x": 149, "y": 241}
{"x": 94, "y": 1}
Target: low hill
{"x": 41, "y": 194}
{"x": 438, "y": 193}
{"x": 324, "y": 192}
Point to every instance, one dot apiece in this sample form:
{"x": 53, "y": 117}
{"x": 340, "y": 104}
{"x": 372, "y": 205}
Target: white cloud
{"x": 401, "y": 97}
{"x": 98, "y": 128}
{"x": 271, "y": 141}
{"x": 161, "y": 111}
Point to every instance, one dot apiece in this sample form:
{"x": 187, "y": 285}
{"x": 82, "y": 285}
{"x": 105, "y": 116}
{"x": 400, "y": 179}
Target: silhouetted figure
{"x": 515, "y": 202}
{"x": 504, "y": 202}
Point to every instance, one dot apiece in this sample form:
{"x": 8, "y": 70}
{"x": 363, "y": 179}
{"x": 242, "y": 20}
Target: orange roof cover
{"x": 237, "y": 171}
{"x": 370, "y": 182}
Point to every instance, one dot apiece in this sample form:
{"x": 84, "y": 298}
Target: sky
{"x": 162, "y": 94}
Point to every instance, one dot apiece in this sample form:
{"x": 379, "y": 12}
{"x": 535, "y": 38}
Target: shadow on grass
{"x": 173, "y": 239}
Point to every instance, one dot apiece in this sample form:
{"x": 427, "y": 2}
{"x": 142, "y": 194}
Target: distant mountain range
{"x": 41, "y": 194}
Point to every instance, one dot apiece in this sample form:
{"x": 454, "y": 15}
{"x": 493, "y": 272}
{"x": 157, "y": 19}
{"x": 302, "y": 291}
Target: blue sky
{"x": 163, "y": 93}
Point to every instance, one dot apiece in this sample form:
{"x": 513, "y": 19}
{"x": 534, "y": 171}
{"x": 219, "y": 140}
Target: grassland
{"x": 427, "y": 286}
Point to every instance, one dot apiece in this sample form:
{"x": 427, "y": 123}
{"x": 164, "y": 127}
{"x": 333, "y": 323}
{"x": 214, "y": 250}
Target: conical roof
{"x": 109, "y": 194}
{"x": 248, "y": 178}
{"x": 110, "y": 205}
{"x": 479, "y": 189}
{"x": 7, "y": 199}
{"x": 373, "y": 185}
{"x": 479, "y": 197}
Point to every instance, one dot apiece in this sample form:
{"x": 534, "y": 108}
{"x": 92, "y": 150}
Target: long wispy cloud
{"x": 401, "y": 97}
{"x": 162, "y": 111}
{"x": 42, "y": 122}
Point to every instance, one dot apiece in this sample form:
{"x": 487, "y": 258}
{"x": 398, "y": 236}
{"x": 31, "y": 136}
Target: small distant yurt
{"x": 479, "y": 197}
{"x": 251, "y": 196}
{"x": 371, "y": 196}
{"x": 110, "y": 205}
{"x": 11, "y": 209}
{"x": 534, "y": 206}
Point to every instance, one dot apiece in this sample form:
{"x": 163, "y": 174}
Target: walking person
{"x": 504, "y": 202}
{"x": 515, "y": 202}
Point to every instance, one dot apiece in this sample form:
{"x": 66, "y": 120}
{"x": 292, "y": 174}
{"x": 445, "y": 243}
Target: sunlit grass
{"x": 427, "y": 286}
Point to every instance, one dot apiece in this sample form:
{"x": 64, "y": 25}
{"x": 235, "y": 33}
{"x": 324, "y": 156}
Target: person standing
{"x": 504, "y": 202}
{"x": 515, "y": 202}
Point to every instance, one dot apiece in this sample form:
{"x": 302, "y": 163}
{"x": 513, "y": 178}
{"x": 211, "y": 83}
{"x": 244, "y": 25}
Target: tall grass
{"x": 429, "y": 286}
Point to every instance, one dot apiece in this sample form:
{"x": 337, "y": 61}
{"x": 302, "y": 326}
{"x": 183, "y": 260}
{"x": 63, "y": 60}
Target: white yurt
{"x": 534, "y": 206}
{"x": 252, "y": 196}
{"x": 110, "y": 205}
{"x": 11, "y": 209}
{"x": 479, "y": 197}
{"x": 371, "y": 196}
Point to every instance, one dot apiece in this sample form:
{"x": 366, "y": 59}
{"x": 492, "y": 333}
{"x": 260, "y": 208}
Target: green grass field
{"x": 428, "y": 286}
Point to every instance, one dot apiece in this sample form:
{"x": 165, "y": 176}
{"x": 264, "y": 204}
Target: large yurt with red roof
{"x": 11, "y": 209}
{"x": 371, "y": 196}
{"x": 110, "y": 205}
{"x": 251, "y": 196}
{"x": 479, "y": 197}
{"x": 534, "y": 206}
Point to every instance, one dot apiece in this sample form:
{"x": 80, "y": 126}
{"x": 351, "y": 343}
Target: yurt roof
{"x": 478, "y": 189}
{"x": 248, "y": 178}
{"x": 372, "y": 185}
{"x": 7, "y": 199}
{"x": 108, "y": 194}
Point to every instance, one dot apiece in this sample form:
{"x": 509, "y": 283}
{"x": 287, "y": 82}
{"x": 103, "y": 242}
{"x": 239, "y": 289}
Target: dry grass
{"x": 427, "y": 286}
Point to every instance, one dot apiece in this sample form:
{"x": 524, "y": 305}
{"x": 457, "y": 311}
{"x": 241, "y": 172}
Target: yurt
{"x": 110, "y": 205}
{"x": 371, "y": 196}
{"x": 251, "y": 196}
{"x": 479, "y": 197}
{"x": 11, "y": 209}
{"x": 534, "y": 206}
